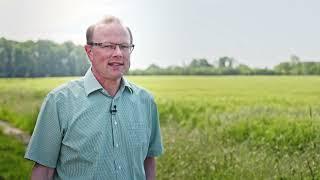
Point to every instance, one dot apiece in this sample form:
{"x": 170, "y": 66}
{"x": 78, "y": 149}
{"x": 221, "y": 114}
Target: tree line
{"x": 229, "y": 66}
{"x": 45, "y": 58}
{"x": 41, "y": 59}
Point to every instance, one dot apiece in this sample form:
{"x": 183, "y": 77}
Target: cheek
{"x": 127, "y": 60}
{"x": 97, "y": 62}
{"x": 101, "y": 59}
{"x": 127, "y": 63}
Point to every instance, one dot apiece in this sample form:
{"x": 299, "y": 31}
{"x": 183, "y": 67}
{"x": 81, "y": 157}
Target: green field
{"x": 226, "y": 127}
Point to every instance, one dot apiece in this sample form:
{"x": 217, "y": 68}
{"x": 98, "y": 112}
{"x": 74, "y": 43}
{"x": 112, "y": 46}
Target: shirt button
{"x": 119, "y": 167}
{"x": 115, "y": 123}
{"x": 117, "y": 145}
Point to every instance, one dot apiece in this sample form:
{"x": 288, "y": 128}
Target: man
{"x": 100, "y": 126}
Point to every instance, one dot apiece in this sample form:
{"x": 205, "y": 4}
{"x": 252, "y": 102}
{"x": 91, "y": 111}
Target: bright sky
{"x": 172, "y": 32}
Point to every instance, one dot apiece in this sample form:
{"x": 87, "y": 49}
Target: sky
{"x": 259, "y": 33}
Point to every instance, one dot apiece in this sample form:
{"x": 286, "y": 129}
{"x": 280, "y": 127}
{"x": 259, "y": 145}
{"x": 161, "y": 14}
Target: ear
{"x": 88, "y": 50}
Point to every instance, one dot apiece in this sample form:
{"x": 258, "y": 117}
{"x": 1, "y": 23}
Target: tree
{"x": 244, "y": 69}
{"x": 283, "y": 68}
{"x": 294, "y": 59}
{"x": 41, "y": 58}
{"x": 195, "y": 63}
{"x": 225, "y": 62}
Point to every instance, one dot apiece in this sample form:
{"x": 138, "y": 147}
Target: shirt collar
{"x": 127, "y": 84}
{"x": 91, "y": 84}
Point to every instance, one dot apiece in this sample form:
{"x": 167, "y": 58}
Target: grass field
{"x": 228, "y": 127}
{"x": 12, "y": 165}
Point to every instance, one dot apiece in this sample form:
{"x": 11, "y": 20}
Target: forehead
{"x": 112, "y": 32}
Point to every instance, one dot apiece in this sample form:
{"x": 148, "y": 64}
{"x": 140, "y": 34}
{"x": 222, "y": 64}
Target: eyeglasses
{"x": 110, "y": 47}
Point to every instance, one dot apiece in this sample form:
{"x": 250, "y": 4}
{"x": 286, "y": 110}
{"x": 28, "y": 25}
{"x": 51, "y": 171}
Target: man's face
{"x": 109, "y": 64}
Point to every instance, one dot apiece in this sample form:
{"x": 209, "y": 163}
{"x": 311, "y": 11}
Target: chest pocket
{"x": 137, "y": 134}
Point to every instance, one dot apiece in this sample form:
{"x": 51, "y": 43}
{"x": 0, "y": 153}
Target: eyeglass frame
{"x": 113, "y": 46}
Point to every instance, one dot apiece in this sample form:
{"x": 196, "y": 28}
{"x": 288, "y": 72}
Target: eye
{"x": 109, "y": 46}
{"x": 124, "y": 46}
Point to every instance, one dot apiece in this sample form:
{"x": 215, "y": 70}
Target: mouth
{"x": 115, "y": 64}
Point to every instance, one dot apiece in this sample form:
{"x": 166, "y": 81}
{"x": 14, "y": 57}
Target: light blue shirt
{"x": 86, "y": 134}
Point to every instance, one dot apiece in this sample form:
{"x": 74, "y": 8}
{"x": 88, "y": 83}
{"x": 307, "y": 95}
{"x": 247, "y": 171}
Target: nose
{"x": 117, "y": 51}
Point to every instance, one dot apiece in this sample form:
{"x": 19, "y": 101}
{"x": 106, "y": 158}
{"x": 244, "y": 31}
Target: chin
{"x": 116, "y": 76}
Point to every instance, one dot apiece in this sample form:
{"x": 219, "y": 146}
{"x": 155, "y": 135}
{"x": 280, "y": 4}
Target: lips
{"x": 115, "y": 64}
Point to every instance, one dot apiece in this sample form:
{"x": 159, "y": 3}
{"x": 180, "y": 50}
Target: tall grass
{"x": 12, "y": 164}
{"x": 214, "y": 127}
{"x": 21, "y": 99}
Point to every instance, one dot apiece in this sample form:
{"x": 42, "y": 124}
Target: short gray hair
{"x": 105, "y": 20}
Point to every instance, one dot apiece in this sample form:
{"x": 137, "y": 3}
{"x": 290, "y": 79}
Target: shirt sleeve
{"x": 44, "y": 145}
{"x": 155, "y": 145}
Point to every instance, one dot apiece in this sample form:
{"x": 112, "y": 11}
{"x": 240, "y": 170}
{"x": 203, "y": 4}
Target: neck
{"x": 110, "y": 85}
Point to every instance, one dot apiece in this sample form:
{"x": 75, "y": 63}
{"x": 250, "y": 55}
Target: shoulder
{"x": 141, "y": 91}
{"x": 70, "y": 89}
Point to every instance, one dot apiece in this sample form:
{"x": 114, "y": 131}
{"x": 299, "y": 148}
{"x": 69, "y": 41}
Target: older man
{"x": 100, "y": 126}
